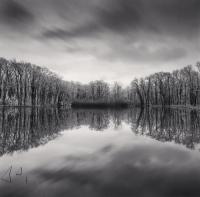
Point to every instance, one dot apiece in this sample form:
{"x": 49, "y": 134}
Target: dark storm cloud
{"x": 155, "y": 16}
{"x": 12, "y": 12}
{"x": 86, "y": 17}
{"x": 132, "y": 21}
{"x": 180, "y": 17}
{"x": 114, "y": 15}
{"x": 120, "y": 15}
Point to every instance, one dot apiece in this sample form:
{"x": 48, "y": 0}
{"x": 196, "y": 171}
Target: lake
{"x": 99, "y": 153}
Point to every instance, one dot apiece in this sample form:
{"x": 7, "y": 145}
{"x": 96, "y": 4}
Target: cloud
{"x": 14, "y": 13}
{"x": 139, "y": 51}
{"x": 132, "y": 32}
{"x": 119, "y": 15}
{"x": 172, "y": 17}
{"x": 131, "y": 29}
{"x": 85, "y": 31}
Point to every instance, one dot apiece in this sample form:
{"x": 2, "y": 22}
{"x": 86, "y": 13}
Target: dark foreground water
{"x": 99, "y": 153}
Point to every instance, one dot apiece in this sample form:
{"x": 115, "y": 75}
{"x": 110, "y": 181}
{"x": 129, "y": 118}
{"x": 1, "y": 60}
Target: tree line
{"x": 180, "y": 87}
{"x": 25, "y": 84}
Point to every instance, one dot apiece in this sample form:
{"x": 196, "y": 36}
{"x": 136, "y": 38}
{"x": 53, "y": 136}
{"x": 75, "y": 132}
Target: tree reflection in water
{"x": 24, "y": 128}
{"x": 179, "y": 125}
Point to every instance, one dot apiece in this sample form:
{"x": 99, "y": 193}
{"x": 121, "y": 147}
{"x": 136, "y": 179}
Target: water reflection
{"x": 179, "y": 125}
{"x": 140, "y": 170}
{"x": 23, "y": 128}
{"x": 126, "y": 157}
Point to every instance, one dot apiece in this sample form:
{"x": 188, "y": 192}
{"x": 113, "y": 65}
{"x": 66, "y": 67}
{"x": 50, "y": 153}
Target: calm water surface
{"x": 99, "y": 153}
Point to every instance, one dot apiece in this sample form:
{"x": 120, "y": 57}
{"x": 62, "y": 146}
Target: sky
{"x": 111, "y": 40}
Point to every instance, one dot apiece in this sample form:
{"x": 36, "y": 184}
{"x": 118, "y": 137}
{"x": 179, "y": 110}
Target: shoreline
{"x": 187, "y": 107}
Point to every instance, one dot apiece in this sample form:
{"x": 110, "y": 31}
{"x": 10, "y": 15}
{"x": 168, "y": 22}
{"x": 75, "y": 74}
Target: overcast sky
{"x": 84, "y": 40}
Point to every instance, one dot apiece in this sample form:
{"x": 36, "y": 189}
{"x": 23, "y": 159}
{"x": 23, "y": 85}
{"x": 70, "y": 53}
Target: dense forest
{"x": 25, "y": 84}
